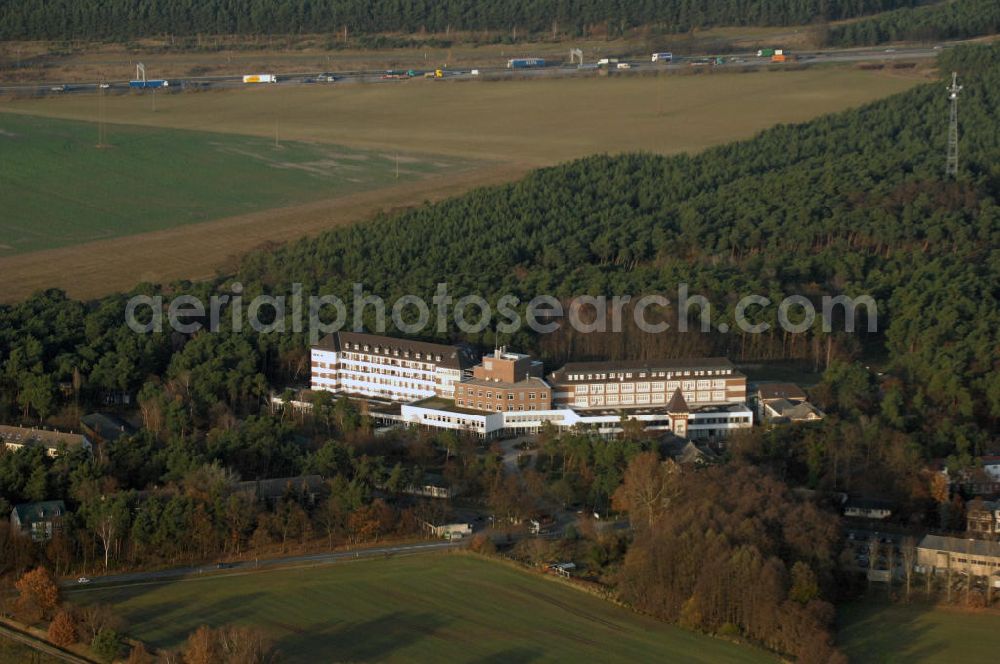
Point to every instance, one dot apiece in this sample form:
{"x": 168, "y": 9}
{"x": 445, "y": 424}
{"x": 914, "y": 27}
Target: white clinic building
{"x": 381, "y": 367}
{"x": 701, "y": 399}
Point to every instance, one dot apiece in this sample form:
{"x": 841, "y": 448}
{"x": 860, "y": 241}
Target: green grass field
{"x": 58, "y": 189}
{"x": 427, "y": 608}
{"x": 877, "y": 632}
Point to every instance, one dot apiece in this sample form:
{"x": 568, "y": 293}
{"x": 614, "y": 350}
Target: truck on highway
{"x": 768, "y": 52}
{"x": 153, "y": 83}
{"x": 525, "y": 63}
{"x": 662, "y": 57}
{"x": 607, "y": 62}
{"x": 260, "y": 78}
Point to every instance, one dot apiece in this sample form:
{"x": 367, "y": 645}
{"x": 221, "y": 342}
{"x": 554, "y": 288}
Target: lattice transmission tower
{"x": 951, "y": 167}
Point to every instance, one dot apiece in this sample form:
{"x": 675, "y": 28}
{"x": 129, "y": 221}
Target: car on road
{"x": 104, "y": 86}
{"x": 83, "y": 580}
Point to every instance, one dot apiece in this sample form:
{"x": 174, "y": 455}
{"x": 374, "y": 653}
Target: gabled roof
{"x": 691, "y": 453}
{"x": 982, "y": 505}
{"x": 275, "y": 488}
{"x": 791, "y": 391}
{"x": 461, "y": 356}
{"x": 794, "y": 412}
{"x": 677, "y": 403}
{"x": 107, "y": 427}
{"x": 27, "y": 513}
{"x": 48, "y": 439}
{"x": 975, "y": 547}
{"x": 801, "y": 412}
{"x": 780, "y": 405}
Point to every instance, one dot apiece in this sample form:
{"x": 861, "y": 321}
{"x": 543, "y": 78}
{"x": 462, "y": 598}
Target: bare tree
{"x": 890, "y": 556}
{"x": 968, "y": 577}
{"x": 873, "y": 551}
{"x": 947, "y": 581}
{"x": 909, "y": 551}
{"x": 644, "y": 489}
{"x": 93, "y": 618}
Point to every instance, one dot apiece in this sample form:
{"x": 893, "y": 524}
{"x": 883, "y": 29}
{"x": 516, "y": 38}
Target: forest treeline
{"x": 960, "y": 19}
{"x": 128, "y": 19}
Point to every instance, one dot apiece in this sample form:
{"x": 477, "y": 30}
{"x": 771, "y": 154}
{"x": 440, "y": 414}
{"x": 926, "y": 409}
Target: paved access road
{"x": 111, "y": 580}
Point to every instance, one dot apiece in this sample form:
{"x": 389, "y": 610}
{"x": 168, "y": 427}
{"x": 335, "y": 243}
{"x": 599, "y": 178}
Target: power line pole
{"x": 951, "y": 167}
{"x": 102, "y": 131}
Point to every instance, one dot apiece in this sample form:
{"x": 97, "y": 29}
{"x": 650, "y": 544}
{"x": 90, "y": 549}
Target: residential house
{"x": 686, "y": 452}
{"x": 983, "y": 517}
{"x": 272, "y": 490}
{"x": 38, "y": 520}
{"x": 14, "y": 438}
{"x": 980, "y": 479}
{"x": 446, "y": 530}
{"x": 867, "y": 508}
{"x": 104, "y": 428}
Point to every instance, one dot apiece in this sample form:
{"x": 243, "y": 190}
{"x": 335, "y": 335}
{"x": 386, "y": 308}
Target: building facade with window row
{"x": 443, "y": 387}
{"x": 386, "y": 368}
{"x": 637, "y": 384}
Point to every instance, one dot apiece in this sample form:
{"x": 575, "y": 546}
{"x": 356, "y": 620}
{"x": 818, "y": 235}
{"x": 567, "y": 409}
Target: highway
{"x": 636, "y": 66}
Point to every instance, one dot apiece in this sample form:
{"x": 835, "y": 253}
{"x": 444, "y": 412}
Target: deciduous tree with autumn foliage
{"x": 727, "y": 549}
{"x": 38, "y": 595}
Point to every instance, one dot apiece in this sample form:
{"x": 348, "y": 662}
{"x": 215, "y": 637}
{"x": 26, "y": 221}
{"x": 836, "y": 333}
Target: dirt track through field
{"x": 200, "y": 251}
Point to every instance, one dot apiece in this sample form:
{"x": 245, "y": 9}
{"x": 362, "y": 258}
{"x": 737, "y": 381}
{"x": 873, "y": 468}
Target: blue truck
{"x": 156, "y": 83}
{"x": 525, "y": 63}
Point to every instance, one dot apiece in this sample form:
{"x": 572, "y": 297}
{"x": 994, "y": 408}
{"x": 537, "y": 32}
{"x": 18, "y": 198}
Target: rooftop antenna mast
{"x": 951, "y": 168}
